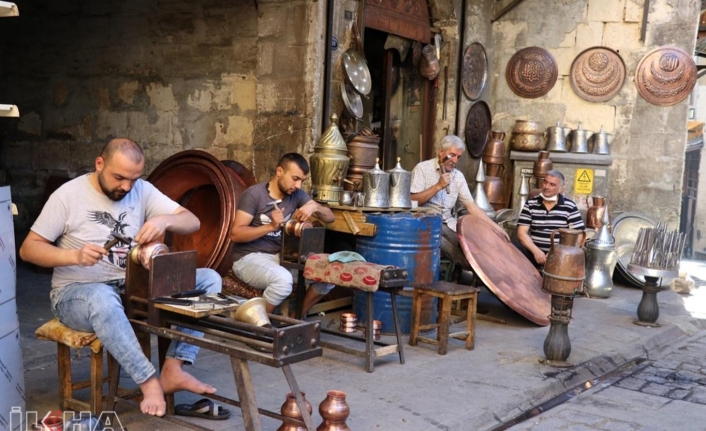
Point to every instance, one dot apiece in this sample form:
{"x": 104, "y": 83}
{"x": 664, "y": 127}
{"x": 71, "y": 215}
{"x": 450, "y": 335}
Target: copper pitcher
{"x": 334, "y": 410}
{"x": 494, "y": 152}
{"x": 565, "y": 268}
{"x": 595, "y": 212}
{"x": 542, "y": 165}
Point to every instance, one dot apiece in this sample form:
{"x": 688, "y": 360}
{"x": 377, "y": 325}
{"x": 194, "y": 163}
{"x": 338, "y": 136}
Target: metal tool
{"x": 443, "y": 168}
{"x": 117, "y": 237}
{"x": 189, "y": 293}
{"x": 275, "y": 202}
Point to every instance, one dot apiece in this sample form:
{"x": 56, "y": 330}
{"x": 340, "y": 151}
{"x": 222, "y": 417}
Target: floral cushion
{"x": 358, "y": 275}
{"x": 235, "y": 286}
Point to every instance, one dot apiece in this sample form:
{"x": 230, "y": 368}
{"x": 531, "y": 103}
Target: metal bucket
{"x": 411, "y": 241}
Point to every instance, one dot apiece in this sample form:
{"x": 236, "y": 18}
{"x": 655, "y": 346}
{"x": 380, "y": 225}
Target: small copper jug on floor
{"x": 289, "y": 409}
{"x": 334, "y": 410}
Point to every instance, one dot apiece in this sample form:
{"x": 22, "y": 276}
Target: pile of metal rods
{"x": 658, "y": 249}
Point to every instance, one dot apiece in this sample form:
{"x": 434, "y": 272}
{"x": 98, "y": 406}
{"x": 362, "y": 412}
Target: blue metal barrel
{"x": 405, "y": 240}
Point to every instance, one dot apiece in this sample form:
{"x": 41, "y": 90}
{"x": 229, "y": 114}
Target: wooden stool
{"x": 447, "y": 293}
{"x": 66, "y": 338}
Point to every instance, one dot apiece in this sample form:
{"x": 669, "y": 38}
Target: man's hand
{"x": 277, "y": 217}
{"x": 90, "y": 254}
{"x": 444, "y": 180}
{"x": 152, "y": 229}
{"x": 305, "y": 211}
{"x": 540, "y": 257}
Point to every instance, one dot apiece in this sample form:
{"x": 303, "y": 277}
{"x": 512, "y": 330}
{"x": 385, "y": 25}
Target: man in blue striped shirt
{"x": 543, "y": 214}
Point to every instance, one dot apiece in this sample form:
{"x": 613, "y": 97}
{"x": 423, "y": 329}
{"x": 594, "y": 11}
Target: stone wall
{"x": 240, "y": 79}
{"x": 649, "y": 141}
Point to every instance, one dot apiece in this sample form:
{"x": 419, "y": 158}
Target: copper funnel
{"x": 253, "y": 312}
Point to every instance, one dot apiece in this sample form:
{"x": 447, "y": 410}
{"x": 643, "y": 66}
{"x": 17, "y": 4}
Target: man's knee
{"x": 279, "y": 285}
{"x": 208, "y": 280}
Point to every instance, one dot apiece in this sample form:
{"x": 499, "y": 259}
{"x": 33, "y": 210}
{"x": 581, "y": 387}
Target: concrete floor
{"x": 463, "y": 390}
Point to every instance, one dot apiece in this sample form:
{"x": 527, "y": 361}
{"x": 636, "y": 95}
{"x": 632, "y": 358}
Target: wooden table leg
{"x": 416, "y": 317}
{"x": 294, "y": 387}
{"x": 444, "y": 322}
{"x": 398, "y": 331}
{"x": 246, "y": 394}
{"x": 369, "y": 334}
{"x": 471, "y": 322}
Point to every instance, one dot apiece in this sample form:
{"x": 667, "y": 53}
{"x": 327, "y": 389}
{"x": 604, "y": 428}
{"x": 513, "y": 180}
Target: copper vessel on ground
{"x": 565, "y": 268}
{"x": 334, "y": 410}
{"x": 594, "y": 215}
{"x": 289, "y": 409}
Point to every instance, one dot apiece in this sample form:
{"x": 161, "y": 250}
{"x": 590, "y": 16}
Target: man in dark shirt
{"x": 257, "y": 232}
{"x": 543, "y": 214}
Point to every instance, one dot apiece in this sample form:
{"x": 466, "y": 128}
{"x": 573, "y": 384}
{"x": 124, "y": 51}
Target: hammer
{"x": 448, "y": 187}
{"x": 117, "y": 237}
{"x": 275, "y": 202}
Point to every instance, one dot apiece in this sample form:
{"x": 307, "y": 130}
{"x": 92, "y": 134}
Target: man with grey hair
{"x": 543, "y": 214}
{"x": 436, "y": 183}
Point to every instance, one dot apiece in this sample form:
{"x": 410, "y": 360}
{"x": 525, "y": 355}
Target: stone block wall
{"x": 649, "y": 141}
{"x": 235, "y": 78}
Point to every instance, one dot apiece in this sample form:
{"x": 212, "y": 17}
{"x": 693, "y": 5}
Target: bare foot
{"x": 152, "y": 398}
{"x": 173, "y": 378}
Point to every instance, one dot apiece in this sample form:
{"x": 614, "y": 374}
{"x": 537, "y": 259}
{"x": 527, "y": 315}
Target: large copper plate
{"x": 531, "y": 72}
{"x": 504, "y": 269}
{"x": 477, "y": 128}
{"x": 665, "y": 76}
{"x": 475, "y": 71}
{"x": 597, "y": 74}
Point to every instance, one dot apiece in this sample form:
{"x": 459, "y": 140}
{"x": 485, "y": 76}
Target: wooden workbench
{"x": 353, "y": 220}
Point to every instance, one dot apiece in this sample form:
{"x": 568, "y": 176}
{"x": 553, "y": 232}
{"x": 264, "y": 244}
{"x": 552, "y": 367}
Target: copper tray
{"x": 665, "y": 76}
{"x": 478, "y": 125}
{"x": 503, "y": 269}
{"x": 531, "y": 72}
{"x": 474, "y": 72}
{"x": 597, "y": 74}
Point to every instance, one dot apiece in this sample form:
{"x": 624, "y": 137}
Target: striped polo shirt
{"x": 542, "y": 223}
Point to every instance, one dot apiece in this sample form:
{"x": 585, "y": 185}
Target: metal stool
{"x": 66, "y": 338}
{"x": 447, "y": 293}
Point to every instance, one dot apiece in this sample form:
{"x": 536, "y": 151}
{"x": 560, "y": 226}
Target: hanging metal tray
{"x": 503, "y": 269}
{"x": 474, "y": 72}
{"x": 478, "y": 125}
{"x": 531, "y": 72}
{"x": 352, "y": 100}
{"x": 665, "y": 76}
{"x": 597, "y": 74}
{"x": 626, "y": 227}
{"x": 357, "y": 71}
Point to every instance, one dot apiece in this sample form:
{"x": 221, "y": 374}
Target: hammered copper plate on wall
{"x": 474, "y": 72}
{"x": 503, "y": 269}
{"x": 477, "y": 128}
{"x": 531, "y": 72}
{"x": 665, "y": 76}
{"x": 597, "y": 74}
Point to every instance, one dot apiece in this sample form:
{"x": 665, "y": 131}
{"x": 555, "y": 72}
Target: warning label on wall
{"x": 583, "y": 181}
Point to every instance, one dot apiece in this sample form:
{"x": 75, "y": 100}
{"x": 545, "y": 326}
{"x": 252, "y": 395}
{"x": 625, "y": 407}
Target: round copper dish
{"x": 475, "y": 71}
{"x": 478, "y": 125}
{"x": 597, "y": 74}
{"x": 210, "y": 190}
{"x": 531, "y": 72}
{"x": 503, "y": 269}
{"x": 665, "y": 76}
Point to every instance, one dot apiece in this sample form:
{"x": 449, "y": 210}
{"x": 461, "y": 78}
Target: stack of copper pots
{"x": 494, "y": 158}
{"x": 377, "y": 326}
{"x": 349, "y": 323}
{"x": 362, "y": 152}
{"x": 539, "y": 170}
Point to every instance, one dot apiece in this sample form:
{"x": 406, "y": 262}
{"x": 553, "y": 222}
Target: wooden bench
{"x": 446, "y": 293}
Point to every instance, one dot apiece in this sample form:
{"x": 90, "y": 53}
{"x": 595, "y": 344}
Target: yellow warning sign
{"x": 583, "y": 181}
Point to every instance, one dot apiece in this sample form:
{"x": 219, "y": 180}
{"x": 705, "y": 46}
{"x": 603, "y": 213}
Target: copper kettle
{"x": 565, "y": 268}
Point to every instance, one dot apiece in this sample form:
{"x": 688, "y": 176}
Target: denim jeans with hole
{"x": 96, "y": 307}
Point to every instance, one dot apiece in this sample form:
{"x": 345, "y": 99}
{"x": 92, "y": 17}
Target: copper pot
{"x": 565, "y": 268}
{"x": 527, "y": 127}
{"x": 494, "y": 152}
{"x": 142, "y": 254}
{"x": 527, "y": 141}
{"x": 291, "y": 410}
{"x": 595, "y": 212}
{"x": 542, "y": 165}
{"x": 363, "y": 151}
{"x": 334, "y": 410}
{"x": 494, "y": 188}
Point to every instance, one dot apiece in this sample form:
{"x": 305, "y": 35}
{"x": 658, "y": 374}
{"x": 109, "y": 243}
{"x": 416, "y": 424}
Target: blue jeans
{"x": 96, "y": 307}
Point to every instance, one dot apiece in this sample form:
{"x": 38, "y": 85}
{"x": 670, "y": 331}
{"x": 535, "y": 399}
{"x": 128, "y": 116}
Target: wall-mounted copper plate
{"x": 478, "y": 125}
{"x": 503, "y": 269}
{"x": 474, "y": 73}
{"x": 597, "y": 74}
{"x": 531, "y": 72}
{"x": 665, "y": 76}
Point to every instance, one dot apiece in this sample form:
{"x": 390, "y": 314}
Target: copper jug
{"x": 291, "y": 410}
{"x": 539, "y": 170}
{"x": 595, "y": 212}
{"x": 494, "y": 152}
{"x": 494, "y": 187}
{"x": 565, "y": 268}
{"x": 334, "y": 410}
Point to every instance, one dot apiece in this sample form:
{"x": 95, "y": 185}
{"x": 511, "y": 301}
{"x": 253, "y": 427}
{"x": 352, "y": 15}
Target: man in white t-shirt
{"x": 69, "y": 234}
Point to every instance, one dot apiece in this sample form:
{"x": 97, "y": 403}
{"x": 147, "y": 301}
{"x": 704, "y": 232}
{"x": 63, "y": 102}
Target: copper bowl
{"x": 527, "y": 141}
{"x": 142, "y": 254}
{"x": 527, "y": 126}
